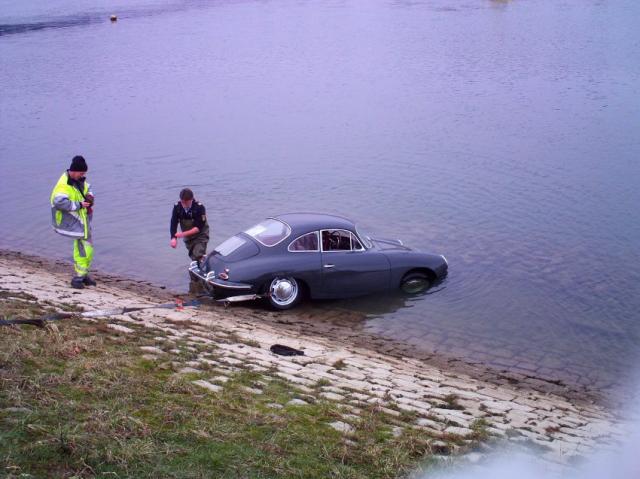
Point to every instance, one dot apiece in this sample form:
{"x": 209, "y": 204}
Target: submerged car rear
{"x": 216, "y": 268}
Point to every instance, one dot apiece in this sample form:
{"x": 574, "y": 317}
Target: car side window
{"x": 307, "y": 242}
{"x": 355, "y": 243}
{"x": 336, "y": 240}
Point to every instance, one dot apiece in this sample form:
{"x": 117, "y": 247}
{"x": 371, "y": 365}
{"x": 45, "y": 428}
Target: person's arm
{"x": 184, "y": 234}
{"x": 173, "y": 227}
{"x": 174, "y": 222}
{"x": 63, "y": 203}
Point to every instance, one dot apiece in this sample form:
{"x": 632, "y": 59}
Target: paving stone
{"x": 332, "y": 389}
{"x": 332, "y": 396}
{"x": 151, "y": 349}
{"x": 319, "y": 367}
{"x": 219, "y": 379}
{"x": 495, "y": 407}
{"x": 495, "y": 393}
{"x": 121, "y": 328}
{"x": 361, "y": 397}
{"x": 297, "y": 402}
{"x": 451, "y": 413}
{"x": 295, "y": 379}
{"x": 231, "y": 360}
{"x": 390, "y": 412}
{"x": 275, "y": 405}
{"x": 189, "y": 370}
{"x": 350, "y": 417}
{"x": 423, "y": 422}
{"x": 349, "y": 374}
{"x": 343, "y": 427}
{"x": 207, "y": 385}
{"x": 256, "y": 367}
{"x": 459, "y": 431}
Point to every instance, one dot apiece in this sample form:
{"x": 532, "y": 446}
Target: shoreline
{"x": 340, "y": 326}
{"x": 341, "y": 364}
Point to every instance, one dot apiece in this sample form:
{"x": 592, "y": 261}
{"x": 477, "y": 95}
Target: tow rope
{"x": 178, "y": 304}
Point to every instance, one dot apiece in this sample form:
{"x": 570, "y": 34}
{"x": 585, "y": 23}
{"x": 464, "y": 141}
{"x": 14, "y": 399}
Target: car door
{"x": 349, "y": 269}
{"x": 303, "y": 261}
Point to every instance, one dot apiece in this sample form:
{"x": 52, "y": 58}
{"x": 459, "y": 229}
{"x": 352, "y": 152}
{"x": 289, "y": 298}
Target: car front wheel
{"x": 284, "y": 293}
{"x": 415, "y": 283}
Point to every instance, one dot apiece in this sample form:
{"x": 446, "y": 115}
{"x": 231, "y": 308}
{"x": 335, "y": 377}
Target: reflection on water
{"x": 443, "y": 125}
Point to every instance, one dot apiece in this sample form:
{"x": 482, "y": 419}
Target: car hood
{"x": 384, "y": 244}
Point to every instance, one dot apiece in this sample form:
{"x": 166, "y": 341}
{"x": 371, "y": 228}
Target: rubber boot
{"x": 89, "y": 281}
{"x": 195, "y": 287}
{"x": 77, "y": 282}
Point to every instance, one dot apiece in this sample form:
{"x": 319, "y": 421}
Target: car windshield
{"x": 229, "y": 246}
{"x": 269, "y": 232}
{"x": 366, "y": 239}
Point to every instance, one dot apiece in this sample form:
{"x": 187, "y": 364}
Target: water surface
{"x": 501, "y": 134}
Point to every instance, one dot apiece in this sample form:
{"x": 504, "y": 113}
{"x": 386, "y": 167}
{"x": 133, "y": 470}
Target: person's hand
{"x": 173, "y": 243}
{"x": 85, "y": 204}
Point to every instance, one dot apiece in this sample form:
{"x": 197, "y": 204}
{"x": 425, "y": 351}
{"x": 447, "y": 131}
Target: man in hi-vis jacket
{"x": 71, "y": 213}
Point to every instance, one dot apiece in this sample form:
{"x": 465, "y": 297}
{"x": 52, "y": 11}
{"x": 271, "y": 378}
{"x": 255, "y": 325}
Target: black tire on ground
{"x": 284, "y": 293}
{"x": 415, "y": 283}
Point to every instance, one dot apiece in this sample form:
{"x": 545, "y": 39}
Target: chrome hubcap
{"x": 416, "y": 285}
{"x": 283, "y": 291}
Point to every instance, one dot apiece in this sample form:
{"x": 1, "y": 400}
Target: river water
{"x": 501, "y": 134}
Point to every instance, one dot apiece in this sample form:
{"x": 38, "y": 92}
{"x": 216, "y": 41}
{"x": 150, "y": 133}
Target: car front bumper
{"x": 220, "y": 286}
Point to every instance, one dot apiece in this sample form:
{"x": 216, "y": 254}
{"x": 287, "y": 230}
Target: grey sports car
{"x": 286, "y": 257}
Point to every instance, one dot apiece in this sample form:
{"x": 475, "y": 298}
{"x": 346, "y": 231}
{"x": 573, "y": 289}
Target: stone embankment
{"x": 410, "y": 392}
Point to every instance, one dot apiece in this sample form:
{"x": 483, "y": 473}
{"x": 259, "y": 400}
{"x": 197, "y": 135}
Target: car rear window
{"x": 269, "y": 232}
{"x": 229, "y": 246}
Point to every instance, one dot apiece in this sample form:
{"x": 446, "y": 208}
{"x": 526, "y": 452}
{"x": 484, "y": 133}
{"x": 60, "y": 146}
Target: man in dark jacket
{"x": 192, "y": 218}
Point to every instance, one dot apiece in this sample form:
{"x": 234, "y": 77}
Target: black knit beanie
{"x": 78, "y": 164}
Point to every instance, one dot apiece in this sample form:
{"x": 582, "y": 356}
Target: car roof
{"x": 314, "y": 221}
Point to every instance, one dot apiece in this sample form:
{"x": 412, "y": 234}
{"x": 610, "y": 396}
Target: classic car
{"x": 287, "y": 257}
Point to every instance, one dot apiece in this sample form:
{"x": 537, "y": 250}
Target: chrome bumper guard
{"x": 210, "y": 278}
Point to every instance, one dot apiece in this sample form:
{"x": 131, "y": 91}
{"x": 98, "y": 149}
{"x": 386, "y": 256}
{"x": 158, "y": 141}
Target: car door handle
{"x": 329, "y": 265}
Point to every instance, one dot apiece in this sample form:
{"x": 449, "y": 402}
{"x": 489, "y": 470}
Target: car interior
{"x": 336, "y": 240}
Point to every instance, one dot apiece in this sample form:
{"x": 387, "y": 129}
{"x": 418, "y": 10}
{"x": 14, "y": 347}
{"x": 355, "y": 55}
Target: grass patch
{"x": 79, "y": 400}
{"x": 451, "y": 402}
{"x": 339, "y": 364}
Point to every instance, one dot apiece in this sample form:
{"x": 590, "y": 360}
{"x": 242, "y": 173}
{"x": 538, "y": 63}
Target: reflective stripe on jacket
{"x": 68, "y": 216}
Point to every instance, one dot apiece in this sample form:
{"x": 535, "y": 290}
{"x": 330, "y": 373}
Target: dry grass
{"x": 78, "y": 400}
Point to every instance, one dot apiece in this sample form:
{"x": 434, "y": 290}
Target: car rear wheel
{"x": 415, "y": 283}
{"x": 284, "y": 293}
